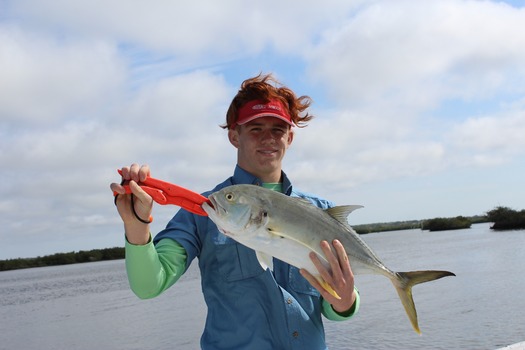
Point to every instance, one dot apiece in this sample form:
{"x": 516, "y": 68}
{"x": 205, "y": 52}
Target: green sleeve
{"x": 333, "y": 315}
{"x": 152, "y": 268}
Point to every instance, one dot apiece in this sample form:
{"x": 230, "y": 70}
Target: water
{"x": 87, "y": 306}
{"x": 483, "y": 307}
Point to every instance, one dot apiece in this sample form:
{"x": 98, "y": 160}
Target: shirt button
{"x": 295, "y": 334}
{"x": 289, "y": 301}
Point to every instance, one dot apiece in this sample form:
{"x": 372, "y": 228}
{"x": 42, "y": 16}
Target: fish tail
{"x": 329, "y": 289}
{"x": 404, "y": 281}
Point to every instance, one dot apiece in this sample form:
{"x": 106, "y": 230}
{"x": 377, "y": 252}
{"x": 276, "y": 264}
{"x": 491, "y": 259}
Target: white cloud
{"x": 194, "y": 32}
{"x": 179, "y": 105}
{"x": 416, "y": 54}
{"x": 393, "y": 62}
{"x": 490, "y": 140}
{"x": 45, "y": 79}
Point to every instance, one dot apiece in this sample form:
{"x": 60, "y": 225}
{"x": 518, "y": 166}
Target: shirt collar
{"x": 241, "y": 176}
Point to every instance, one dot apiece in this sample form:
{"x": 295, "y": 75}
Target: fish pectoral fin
{"x": 329, "y": 289}
{"x": 265, "y": 260}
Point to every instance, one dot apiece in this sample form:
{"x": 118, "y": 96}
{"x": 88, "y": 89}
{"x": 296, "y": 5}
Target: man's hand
{"x": 339, "y": 276}
{"x": 136, "y": 231}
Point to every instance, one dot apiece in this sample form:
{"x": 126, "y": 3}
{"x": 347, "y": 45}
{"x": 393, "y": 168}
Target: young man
{"x": 248, "y": 307}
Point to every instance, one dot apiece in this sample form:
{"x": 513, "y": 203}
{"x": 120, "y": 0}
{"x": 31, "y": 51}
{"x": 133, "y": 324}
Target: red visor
{"x": 258, "y": 108}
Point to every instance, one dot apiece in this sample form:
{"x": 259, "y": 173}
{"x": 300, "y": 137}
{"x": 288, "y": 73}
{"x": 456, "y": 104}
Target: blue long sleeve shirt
{"x": 248, "y": 307}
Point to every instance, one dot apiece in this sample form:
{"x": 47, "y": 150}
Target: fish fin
{"x": 341, "y": 212}
{"x": 329, "y": 289}
{"x": 265, "y": 260}
{"x": 404, "y": 281}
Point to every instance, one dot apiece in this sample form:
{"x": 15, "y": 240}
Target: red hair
{"x": 266, "y": 87}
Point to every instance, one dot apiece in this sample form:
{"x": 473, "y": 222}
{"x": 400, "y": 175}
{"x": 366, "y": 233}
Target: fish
{"x": 289, "y": 228}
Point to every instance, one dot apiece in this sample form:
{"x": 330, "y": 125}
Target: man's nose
{"x": 267, "y": 135}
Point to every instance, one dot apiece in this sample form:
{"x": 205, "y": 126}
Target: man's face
{"x": 261, "y": 145}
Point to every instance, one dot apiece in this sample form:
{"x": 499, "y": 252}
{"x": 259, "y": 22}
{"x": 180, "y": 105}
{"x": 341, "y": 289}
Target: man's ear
{"x": 290, "y": 137}
{"x": 233, "y": 136}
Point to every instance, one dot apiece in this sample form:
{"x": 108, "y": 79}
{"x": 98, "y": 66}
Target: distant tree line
{"x": 503, "y": 218}
{"x": 442, "y": 224}
{"x": 431, "y": 224}
{"x": 506, "y": 219}
{"x": 63, "y": 258}
{"x": 387, "y": 226}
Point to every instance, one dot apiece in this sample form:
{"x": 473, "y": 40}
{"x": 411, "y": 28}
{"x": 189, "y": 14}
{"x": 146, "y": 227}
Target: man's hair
{"x": 265, "y": 87}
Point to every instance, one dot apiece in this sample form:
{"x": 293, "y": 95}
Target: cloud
{"x": 416, "y": 54}
{"x": 70, "y": 115}
{"x": 46, "y": 80}
{"x": 348, "y": 150}
{"x": 181, "y": 103}
{"x": 491, "y": 140}
{"x": 194, "y": 33}
{"x": 389, "y": 65}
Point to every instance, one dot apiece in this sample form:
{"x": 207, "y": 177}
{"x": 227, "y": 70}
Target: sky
{"x": 419, "y": 106}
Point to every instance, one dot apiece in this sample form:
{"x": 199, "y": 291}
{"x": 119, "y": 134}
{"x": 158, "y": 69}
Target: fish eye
{"x": 229, "y": 196}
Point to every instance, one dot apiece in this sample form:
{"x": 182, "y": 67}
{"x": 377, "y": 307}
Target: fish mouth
{"x": 209, "y": 201}
{"x": 212, "y": 206}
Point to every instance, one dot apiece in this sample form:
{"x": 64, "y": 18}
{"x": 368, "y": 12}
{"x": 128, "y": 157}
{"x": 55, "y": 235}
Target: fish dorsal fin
{"x": 340, "y": 213}
{"x": 265, "y": 260}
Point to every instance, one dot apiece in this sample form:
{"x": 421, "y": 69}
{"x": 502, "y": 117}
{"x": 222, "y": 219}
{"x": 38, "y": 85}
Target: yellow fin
{"x": 329, "y": 289}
